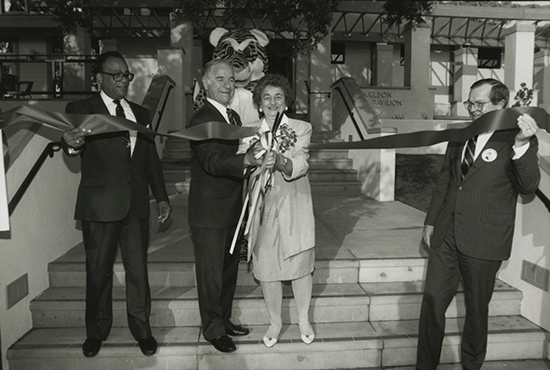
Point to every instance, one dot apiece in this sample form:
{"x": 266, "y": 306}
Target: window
{"x": 337, "y": 52}
{"x": 489, "y": 58}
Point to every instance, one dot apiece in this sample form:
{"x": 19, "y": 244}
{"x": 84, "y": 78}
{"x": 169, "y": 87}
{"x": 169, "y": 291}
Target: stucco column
{"x": 465, "y": 74}
{"x": 417, "y": 56}
{"x": 519, "y": 56}
{"x": 320, "y": 107}
{"x": 77, "y": 76}
{"x": 383, "y": 68}
{"x": 176, "y": 62}
{"x": 542, "y": 77}
{"x": 302, "y": 79}
{"x": 420, "y": 98}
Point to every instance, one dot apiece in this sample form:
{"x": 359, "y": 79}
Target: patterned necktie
{"x": 231, "y": 116}
{"x": 468, "y": 156}
{"x": 120, "y": 113}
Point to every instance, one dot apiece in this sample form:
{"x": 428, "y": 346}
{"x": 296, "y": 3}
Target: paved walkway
{"x": 347, "y": 227}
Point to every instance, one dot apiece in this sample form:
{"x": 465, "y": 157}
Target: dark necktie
{"x": 231, "y": 116}
{"x": 120, "y": 113}
{"x": 468, "y": 156}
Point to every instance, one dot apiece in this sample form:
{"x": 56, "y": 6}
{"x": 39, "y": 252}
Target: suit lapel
{"x": 99, "y": 107}
{"x": 497, "y": 141}
{"x": 455, "y": 159}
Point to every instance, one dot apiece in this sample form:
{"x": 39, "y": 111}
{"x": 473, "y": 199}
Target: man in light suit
{"x": 113, "y": 205}
{"x": 470, "y": 224}
{"x": 215, "y": 201}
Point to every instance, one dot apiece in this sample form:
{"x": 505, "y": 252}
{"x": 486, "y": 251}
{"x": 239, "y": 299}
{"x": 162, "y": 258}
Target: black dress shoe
{"x": 148, "y": 346}
{"x": 91, "y": 347}
{"x": 224, "y": 344}
{"x": 237, "y": 330}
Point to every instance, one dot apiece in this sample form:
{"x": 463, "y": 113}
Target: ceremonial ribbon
{"x": 22, "y": 116}
{"x": 502, "y": 119}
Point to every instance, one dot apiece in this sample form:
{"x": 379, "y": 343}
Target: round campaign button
{"x": 489, "y": 155}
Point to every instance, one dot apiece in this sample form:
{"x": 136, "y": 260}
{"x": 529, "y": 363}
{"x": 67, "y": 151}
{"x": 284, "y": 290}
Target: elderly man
{"x": 215, "y": 201}
{"x": 113, "y": 205}
{"x": 470, "y": 224}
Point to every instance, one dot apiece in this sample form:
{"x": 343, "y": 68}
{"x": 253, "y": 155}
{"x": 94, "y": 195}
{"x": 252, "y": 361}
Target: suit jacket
{"x": 482, "y": 208}
{"x": 113, "y": 183}
{"x": 287, "y": 218}
{"x": 215, "y": 192}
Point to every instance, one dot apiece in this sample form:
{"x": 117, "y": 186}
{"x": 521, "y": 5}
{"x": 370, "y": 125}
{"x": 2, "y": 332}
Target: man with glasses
{"x": 113, "y": 205}
{"x": 470, "y": 224}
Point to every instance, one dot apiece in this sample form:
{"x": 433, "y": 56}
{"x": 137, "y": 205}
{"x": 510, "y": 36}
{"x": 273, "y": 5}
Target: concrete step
{"x": 328, "y": 153}
{"x": 178, "y": 305}
{"x": 70, "y": 272}
{"x": 371, "y": 345}
{"x": 330, "y": 163}
{"x": 183, "y": 174}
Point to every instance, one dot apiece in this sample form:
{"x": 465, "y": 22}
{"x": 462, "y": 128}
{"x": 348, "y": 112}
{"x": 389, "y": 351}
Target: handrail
{"x": 156, "y": 98}
{"x": 49, "y": 150}
{"x": 350, "y": 110}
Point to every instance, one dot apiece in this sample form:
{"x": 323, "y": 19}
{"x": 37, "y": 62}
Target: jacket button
{"x": 460, "y": 188}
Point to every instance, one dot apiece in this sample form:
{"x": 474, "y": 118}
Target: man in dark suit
{"x": 113, "y": 205}
{"x": 470, "y": 224}
{"x": 215, "y": 201}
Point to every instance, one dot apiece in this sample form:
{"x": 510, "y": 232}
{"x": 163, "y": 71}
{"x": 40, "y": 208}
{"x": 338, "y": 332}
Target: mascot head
{"x": 245, "y": 50}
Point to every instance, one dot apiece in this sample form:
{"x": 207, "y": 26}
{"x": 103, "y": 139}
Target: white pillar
{"x": 465, "y": 74}
{"x": 519, "y": 56}
{"x": 320, "y": 107}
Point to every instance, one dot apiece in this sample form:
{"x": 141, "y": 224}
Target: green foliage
{"x": 524, "y": 96}
{"x": 398, "y": 12}
{"x": 69, "y": 14}
{"x": 286, "y": 16}
{"x": 416, "y": 178}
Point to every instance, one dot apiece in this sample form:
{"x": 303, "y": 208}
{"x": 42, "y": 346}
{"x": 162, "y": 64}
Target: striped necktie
{"x": 120, "y": 113}
{"x": 231, "y": 116}
{"x": 468, "y": 157}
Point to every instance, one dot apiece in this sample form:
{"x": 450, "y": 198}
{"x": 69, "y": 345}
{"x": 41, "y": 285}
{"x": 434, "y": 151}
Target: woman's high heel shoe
{"x": 308, "y": 338}
{"x": 271, "y": 339}
{"x": 270, "y": 342}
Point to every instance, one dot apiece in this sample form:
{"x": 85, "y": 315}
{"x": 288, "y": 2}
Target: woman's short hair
{"x": 499, "y": 91}
{"x": 275, "y": 80}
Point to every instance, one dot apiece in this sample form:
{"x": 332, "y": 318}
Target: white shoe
{"x": 270, "y": 342}
{"x": 308, "y": 339}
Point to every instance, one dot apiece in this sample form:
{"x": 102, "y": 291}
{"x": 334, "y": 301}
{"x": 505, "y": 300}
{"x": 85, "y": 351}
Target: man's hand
{"x": 75, "y": 137}
{"x": 164, "y": 211}
{"x": 427, "y": 235}
{"x": 528, "y": 127}
{"x": 254, "y": 154}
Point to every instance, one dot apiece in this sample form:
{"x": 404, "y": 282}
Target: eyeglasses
{"x": 478, "y": 105}
{"x": 118, "y": 76}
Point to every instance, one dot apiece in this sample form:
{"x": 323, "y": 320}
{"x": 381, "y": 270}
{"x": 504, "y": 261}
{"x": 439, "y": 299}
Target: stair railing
{"x": 362, "y": 115}
{"x": 49, "y": 150}
{"x": 155, "y": 100}
{"x": 350, "y": 111}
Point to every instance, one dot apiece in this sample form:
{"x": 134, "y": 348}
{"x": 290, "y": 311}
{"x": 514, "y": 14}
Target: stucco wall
{"x": 42, "y": 228}
{"x": 531, "y": 241}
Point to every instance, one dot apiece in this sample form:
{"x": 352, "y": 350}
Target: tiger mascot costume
{"x": 245, "y": 50}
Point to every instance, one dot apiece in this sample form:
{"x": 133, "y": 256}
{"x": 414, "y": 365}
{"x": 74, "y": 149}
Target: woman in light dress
{"x": 284, "y": 248}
